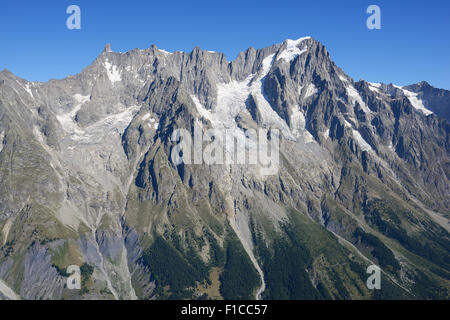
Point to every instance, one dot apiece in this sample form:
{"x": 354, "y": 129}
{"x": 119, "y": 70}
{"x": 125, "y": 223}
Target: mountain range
{"x": 86, "y": 179}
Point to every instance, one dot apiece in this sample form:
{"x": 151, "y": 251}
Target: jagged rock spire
{"x": 107, "y": 48}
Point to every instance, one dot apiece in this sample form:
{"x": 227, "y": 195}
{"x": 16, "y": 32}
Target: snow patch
{"x": 292, "y": 50}
{"x": 207, "y": 114}
{"x": 27, "y": 88}
{"x": 354, "y": 97}
{"x": 112, "y": 71}
{"x": 112, "y": 123}
{"x": 347, "y": 124}
{"x": 270, "y": 117}
{"x": 153, "y": 126}
{"x": 164, "y": 51}
{"x": 116, "y": 122}
{"x": 391, "y": 146}
{"x": 298, "y": 122}
{"x": 151, "y": 122}
{"x": 416, "y": 102}
{"x": 146, "y": 116}
{"x": 374, "y": 87}
{"x": 342, "y": 78}
{"x": 231, "y": 98}
{"x": 67, "y": 120}
{"x": 361, "y": 142}
{"x": 310, "y": 90}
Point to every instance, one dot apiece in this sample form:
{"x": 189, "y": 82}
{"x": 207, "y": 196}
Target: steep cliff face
{"x": 87, "y": 179}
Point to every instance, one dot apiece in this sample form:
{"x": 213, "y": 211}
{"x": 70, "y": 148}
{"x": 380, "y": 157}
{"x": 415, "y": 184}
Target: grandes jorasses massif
{"x": 86, "y": 179}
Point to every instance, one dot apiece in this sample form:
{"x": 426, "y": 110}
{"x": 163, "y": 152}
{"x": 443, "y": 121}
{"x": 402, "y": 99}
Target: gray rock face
{"x": 85, "y": 163}
{"x": 38, "y": 270}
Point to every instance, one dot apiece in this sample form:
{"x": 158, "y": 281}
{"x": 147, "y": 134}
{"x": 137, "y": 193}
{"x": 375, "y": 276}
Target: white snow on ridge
{"x": 292, "y": 49}
{"x": 353, "y": 94}
{"x": 416, "y": 102}
{"x": 113, "y": 72}
{"x": 374, "y": 84}
{"x": 164, "y": 51}
{"x": 412, "y": 97}
{"x": 374, "y": 87}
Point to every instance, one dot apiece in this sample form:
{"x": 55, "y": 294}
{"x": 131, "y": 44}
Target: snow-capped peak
{"x": 164, "y": 51}
{"x": 292, "y": 49}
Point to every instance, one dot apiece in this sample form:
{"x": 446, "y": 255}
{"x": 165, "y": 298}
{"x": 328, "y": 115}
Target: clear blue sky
{"x": 413, "y": 44}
